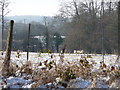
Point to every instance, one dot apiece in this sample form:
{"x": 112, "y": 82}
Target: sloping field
{"x": 44, "y": 70}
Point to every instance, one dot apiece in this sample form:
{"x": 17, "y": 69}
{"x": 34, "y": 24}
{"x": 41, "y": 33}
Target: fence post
{"x": 6, "y": 63}
{"x": 28, "y": 42}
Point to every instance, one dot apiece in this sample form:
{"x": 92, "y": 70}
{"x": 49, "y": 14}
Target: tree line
{"x": 39, "y": 36}
{"x": 93, "y": 25}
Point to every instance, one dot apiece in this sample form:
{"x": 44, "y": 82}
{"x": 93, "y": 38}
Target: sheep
{"x": 79, "y": 51}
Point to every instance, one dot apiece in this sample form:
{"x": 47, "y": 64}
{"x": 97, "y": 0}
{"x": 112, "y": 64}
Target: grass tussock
{"x": 44, "y": 77}
{"x": 26, "y": 68}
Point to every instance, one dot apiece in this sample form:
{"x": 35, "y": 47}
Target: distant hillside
{"x": 28, "y": 18}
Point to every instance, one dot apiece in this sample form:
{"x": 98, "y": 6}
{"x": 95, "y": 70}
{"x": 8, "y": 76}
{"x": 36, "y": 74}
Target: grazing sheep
{"x": 79, "y": 51}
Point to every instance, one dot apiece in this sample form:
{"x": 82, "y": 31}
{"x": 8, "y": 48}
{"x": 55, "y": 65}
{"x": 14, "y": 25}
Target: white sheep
{"x": 79, "y": 51}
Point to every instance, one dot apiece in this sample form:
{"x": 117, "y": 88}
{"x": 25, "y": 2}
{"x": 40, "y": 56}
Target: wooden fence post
{"x": 28, "y": 42}
{"x": 6, "y": 64}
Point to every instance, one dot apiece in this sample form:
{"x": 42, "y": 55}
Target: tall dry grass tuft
{"x": 13, "y": 69}
{"x": 44, "y": 77}
{"x": 26, "y": 68}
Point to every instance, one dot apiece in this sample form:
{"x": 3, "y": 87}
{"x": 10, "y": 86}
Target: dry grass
{"x": 44, "y": 77}
{"x": 66, "y": 71}
{"x": 26, "y": 68}
{"x": 13, "y": 68}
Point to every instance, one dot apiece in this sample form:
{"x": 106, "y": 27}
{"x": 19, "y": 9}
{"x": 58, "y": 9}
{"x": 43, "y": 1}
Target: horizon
{"x": 28, "y": 18}
{"x": 30, "y": 15}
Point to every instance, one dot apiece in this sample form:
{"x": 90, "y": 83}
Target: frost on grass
{"x": 61, "y": 71}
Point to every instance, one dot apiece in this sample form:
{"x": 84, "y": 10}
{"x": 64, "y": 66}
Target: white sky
{"x": 34, "y": 7}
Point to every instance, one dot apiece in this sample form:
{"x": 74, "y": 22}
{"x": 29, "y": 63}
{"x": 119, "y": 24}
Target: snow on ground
{"x": 35, "y": 58}
{"x": 14, "y": 82}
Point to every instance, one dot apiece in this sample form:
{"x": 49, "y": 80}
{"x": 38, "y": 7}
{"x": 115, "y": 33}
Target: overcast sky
{"x": 34, "y": 7}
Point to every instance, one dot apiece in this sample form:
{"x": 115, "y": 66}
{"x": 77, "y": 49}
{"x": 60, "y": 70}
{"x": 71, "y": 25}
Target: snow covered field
{"x": 98, "y": 77}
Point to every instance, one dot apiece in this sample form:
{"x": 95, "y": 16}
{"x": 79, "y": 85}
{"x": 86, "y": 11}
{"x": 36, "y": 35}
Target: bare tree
{"x": 118, "y": 58}
{"x": 69, "y": 8}
{"x": 4, "y": 11}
